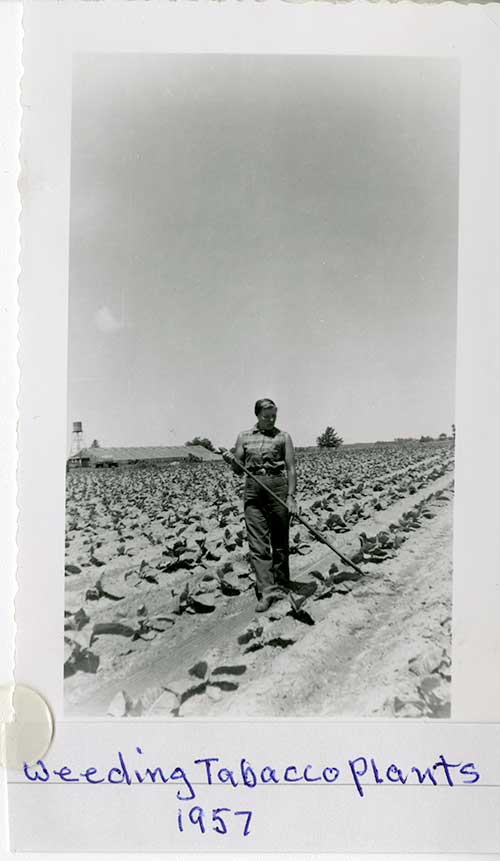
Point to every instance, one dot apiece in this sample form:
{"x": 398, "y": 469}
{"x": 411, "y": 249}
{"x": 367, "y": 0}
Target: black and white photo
{"x": 247, "y": 228}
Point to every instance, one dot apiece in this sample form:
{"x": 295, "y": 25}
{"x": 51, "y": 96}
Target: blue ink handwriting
{"x": 360, "y": 771}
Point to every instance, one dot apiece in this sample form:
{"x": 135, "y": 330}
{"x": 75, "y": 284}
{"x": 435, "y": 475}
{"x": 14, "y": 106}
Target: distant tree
{"x": 95, "y": 444}
{"x": 443, "y": 436}
{"x": 329, "y": 439}
{"x": 203, "y": 441}
{"x": 425, "y": 439}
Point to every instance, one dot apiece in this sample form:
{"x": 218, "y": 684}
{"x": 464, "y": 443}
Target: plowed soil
{"x": 378, "y": 645}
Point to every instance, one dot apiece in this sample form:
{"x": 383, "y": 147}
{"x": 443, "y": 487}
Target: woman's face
{"x": 267, "y": 418}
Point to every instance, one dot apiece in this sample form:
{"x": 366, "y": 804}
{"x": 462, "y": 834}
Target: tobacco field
{"x": 160, "y": 603}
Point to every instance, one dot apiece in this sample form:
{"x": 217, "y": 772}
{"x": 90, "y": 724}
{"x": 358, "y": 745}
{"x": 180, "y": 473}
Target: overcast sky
{"x": 245, "y": 227}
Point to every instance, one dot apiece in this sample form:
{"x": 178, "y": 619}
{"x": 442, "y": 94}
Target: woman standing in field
{"x": 268, "y": 453}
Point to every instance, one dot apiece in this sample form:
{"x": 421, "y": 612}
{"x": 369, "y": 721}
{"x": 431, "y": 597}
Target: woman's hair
{"x": 262, "y": 404}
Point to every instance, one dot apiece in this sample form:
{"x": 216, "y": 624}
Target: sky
{"x": 262, "y": 226}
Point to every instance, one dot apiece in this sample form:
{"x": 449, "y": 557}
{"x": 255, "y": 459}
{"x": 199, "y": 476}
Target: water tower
{"x": 77, "y": 442}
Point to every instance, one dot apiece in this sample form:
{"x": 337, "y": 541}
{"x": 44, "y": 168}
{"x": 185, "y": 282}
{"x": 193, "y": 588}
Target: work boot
{"x": 265, "y": 602}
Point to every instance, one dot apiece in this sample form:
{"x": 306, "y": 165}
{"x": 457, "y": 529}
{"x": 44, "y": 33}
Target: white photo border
{"x": 53, "y": 34}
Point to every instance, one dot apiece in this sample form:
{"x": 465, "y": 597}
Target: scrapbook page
{"x": 257, "y": 596}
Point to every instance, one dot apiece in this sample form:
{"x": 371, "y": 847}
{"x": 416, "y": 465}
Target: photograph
{"x": 262, "y": 319}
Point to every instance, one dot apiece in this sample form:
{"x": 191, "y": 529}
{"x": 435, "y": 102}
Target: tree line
{"x": 328, "y": 439}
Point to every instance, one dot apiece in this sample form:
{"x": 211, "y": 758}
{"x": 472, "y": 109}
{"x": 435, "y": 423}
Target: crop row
{"x": 280, "y": 630}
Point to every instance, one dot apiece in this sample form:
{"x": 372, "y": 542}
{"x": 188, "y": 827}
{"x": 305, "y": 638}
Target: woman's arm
{"x": 239, "y": 454}
{"x": 291, "y": 474}
{"x": 234, "y": 460}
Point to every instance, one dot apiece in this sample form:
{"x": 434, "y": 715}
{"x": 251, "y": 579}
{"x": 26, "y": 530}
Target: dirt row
{"x": 217, "y": 664}
{"x": 383, "y": 649}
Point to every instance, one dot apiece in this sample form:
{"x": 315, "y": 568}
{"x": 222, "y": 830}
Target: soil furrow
{"x": 193, "y": 637}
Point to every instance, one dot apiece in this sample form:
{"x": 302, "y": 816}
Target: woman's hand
{"x": 232, "y": 461}
{"x": 292, "y": 506}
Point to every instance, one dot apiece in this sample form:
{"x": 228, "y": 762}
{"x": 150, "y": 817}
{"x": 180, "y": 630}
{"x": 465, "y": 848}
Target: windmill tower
{"x": 77, "y": 441}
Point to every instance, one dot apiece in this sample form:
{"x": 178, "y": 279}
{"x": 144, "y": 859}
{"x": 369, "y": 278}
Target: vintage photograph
{"x": 261, "y": 386}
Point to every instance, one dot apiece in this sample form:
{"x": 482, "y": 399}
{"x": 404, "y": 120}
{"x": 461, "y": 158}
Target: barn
{"x": 101, "y": 458}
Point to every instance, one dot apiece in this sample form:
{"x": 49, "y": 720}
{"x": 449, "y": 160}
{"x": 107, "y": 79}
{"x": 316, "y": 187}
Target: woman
{"x": 267, "y": 452}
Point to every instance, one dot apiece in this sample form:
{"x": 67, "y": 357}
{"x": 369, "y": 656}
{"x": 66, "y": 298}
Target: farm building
{"x": 94, "y": 458}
